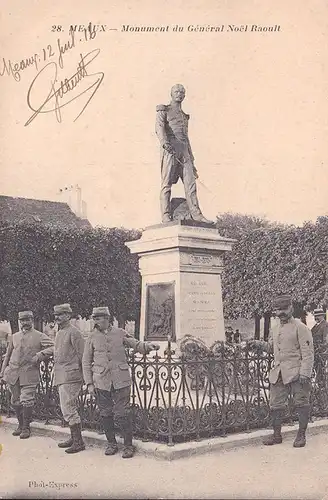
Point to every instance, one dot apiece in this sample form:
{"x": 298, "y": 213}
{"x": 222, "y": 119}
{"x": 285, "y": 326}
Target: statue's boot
{"x": 193, "y": 205}
{"x": 201, "y": 218}
{"x": 165, "y": 205}
{"x": 166, "y": 218}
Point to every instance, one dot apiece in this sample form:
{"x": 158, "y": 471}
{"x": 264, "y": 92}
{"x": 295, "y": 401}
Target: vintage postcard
{"x": 163, "y": 249}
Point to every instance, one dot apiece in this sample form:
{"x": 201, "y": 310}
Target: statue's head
{"x": 178, "y": 93}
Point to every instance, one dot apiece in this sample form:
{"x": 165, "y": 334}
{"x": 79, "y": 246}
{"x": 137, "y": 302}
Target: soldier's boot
{"x": 19, "y": 415}
{"x": 128, "y": 448}
{"x": 303, "y": 418}
{"x": 68, "y": 443}
{"x": 27, "y": 417}
{"x": 276, "y": 437}
{"x": 78, "y": 443}
{"x": 108, "y": 426}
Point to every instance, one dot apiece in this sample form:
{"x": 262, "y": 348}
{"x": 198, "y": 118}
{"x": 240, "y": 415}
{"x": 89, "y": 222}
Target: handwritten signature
{"x": 55, "y": 100}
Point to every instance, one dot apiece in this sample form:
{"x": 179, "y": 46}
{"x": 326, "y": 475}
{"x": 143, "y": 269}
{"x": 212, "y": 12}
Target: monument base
{"x": 181, "y": 263}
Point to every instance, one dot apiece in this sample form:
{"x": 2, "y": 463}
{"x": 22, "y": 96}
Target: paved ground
{"x": 281, "y": 472}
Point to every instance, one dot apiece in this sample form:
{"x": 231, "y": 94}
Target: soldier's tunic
{"x": 105, "y": 365}
{"x": 292, "y": 346}
{"x": 21, "y": 375}
{"x": 320, "y": 338}
{"x": 320, "y": 333}
{"x": 172, "y": 128}
{"x": 68, "y": 376}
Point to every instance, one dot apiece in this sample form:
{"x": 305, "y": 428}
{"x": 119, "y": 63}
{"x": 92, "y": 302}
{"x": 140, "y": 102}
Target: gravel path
{"x": 280, "y": 472}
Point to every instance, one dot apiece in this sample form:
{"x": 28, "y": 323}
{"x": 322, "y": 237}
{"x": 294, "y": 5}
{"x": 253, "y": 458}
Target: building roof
{"x": 50, "y": 213}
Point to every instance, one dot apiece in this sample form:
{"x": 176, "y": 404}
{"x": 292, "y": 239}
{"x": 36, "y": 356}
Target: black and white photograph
{"x": 164, "y": 249}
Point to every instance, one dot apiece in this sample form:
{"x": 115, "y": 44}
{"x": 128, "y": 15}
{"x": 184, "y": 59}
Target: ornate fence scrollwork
{"x": 198, "y": 392}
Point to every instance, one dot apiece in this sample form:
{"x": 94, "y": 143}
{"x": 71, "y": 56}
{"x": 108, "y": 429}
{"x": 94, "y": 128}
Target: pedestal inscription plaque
{"x": 160, "y": 311}
{"x": 201, "y": 305}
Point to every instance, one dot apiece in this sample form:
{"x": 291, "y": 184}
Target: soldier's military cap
{"x": 282, "y": 301}
{"x": 25, "y": 314}
{"x": 319, "y": 312}
{"x": 62, "y": 308}
{"x": 100, "y": 311}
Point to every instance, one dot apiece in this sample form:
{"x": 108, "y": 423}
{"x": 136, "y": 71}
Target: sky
{"x": 257, "y": 103}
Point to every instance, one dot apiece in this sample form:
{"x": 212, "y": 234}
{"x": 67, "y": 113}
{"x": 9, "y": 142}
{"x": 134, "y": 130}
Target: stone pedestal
{"x": 181, "y": 265}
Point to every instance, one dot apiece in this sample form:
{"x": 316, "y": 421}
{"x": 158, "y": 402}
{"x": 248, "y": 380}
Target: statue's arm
{"x": 189, "y": 145}
{"x": 160, "y": 126}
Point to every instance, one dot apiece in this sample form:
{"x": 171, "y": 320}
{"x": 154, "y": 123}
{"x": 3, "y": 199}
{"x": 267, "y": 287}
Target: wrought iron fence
{"x": 198, "y": 392}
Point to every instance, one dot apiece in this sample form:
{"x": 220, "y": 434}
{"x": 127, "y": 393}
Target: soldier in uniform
{"x": 320, "y": 329}
{"x": 106, "y": 373}
{"x": 229, "y": 334}
{"x": 292, "y": 346}
{"x": 20, "y": 369}
{"x": 320, "y": 342}
{"x": 177, "y": 160}
{"x": 68, "y": 353}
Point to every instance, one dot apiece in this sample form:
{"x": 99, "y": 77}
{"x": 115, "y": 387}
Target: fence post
{"x": 224, "y": 410}
{"x": 247, "y": 389}
{"x": 133, "y": 395}
{"x": 169, "y": 409}
{"x": 144, "y": 412}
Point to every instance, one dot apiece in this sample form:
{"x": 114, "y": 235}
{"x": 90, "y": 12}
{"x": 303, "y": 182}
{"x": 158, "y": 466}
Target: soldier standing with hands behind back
{"x": 292, "y": 346}
{"x": 69, "y": 345}
{"x": 20, "y": 369}
{"x": 107, "y": 375}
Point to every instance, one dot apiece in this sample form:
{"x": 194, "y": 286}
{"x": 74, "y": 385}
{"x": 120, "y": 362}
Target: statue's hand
{"x": 167, "y": 146}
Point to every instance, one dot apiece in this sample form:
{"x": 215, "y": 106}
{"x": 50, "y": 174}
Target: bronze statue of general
{"x": 177, "y": 160}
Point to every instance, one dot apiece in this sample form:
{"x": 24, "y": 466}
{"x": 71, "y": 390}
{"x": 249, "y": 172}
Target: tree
{"x": 235, "y": 225}
{"x": 41, "y": 266}
{"x": 272, "y": 258}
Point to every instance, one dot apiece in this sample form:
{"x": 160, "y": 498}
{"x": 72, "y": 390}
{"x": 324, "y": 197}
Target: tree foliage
{"x": 42, "y": 266}
{"x": 270, "y": 258}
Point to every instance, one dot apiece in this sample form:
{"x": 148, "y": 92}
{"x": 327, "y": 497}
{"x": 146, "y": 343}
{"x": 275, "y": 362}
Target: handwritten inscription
{"x": 47, "y": 53}
{"x": 56, "y": 97}
{"x": 14, "y": 69}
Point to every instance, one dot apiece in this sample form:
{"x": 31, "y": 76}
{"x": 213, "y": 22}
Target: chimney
{"x": 84, "y": 210}
{"x": 72, "y": 195}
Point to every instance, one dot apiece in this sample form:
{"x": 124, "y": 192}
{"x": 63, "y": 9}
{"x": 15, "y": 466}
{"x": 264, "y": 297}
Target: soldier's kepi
{"x": 177, "y": 160}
